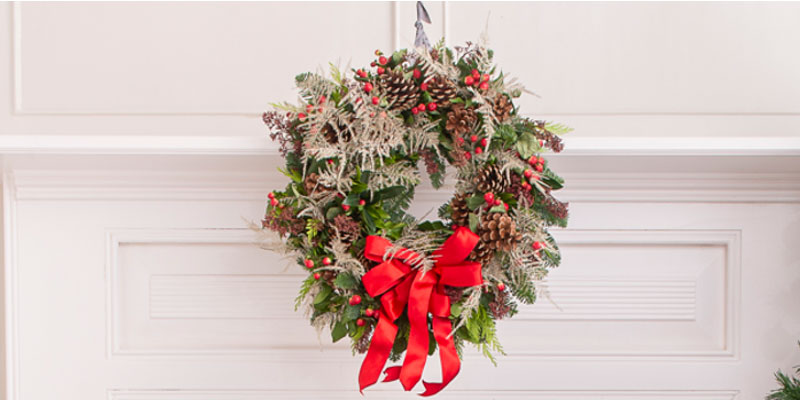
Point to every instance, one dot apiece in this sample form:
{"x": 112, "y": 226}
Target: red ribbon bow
{"x": 399, "y": 285}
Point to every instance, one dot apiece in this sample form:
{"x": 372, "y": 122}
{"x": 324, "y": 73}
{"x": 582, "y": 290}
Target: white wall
{"x": 132, "y": 149}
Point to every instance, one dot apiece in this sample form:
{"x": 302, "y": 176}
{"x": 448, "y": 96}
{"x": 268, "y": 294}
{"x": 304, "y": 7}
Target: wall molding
{"x": 261, "y": 145}
{"x": 252, "y": 185}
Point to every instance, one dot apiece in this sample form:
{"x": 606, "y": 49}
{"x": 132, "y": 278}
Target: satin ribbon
{"x": 400, "y": 285}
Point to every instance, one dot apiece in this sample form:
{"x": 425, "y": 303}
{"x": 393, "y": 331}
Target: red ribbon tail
{"x": 417, "y": 351}
{"x": 392, "y": 374}
{"x": 379, "y": 350}
{"x": 447, "y": 353}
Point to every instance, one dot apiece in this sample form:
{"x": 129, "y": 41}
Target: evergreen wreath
{"x": 352, "y": 148}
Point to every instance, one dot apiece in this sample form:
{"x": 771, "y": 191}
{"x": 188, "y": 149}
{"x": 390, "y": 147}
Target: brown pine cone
{"x": 492, "y": 179}
{"x": 441, "y": 90}
{"x": 348, "y": 228}
{"x": 310, "y": 183}
{"x": 459, "y": 210}
{"x": 498, "y": 232}
{"x": 332, "y": 137}
{"x": 502, "y": 107}
{"x": 460, "y": 120}
{"x": 401, "y": 93}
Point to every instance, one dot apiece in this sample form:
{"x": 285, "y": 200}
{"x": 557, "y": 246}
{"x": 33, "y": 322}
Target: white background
{"x": 133, "y": 153}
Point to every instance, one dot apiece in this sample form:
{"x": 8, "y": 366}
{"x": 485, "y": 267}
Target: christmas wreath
{"x": 389, "y": 282}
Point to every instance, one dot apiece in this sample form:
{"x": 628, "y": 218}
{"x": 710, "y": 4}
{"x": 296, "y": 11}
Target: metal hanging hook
{"x": 421, "y": 38}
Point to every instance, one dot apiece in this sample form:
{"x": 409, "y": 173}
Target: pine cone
{"x": 502, "y": 107}
{"x": 492, "y": 179}
{"x": 459, "y": 210}
{"x": 460, "y": 120}
{"x": 311, "y": 184}
{"x": 332, "y": 137}
{"x": 497, "y": 232}
{"x": 441, "y": 90}
{"x": 401, "y": 93}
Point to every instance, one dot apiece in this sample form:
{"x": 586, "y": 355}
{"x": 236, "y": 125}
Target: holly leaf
{"x": 351, "y": 313}
{"x": 339, "y": 331}
{"x": 526, "y": 145}
{"x": 473, "y": 222}
{"x": 352, "y": 199}
{"x": 473, "y": 202}
{"x": 345, "y": 281}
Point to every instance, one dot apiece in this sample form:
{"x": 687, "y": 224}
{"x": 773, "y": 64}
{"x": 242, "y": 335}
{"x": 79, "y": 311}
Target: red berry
{"x": 541, "y": 143}
{"x": 381, "y": 70}
{"x": 309, "y": 108}
{"x": 378, "y": 52}
{"x": 301, "y": 116}
{"x": 421, "y": 107}
{"x": 375, "y": 100}
{"x": 476, "y": 74}
{"x": 467, "y": 155}
{"x": 484, "y": 142}
{"x": 488, "y": 197}
{"x": 322, "y": 99}
{"x": 360, "y": 322}
{"x": 326, "y": 261}
{"x": 424, "y": 86}
{"x": 473, "y": 138}
{"x": 361, "y": 73}
{"x": 432, "y": 106}
{"x": 356, "y": 299}
{"x": 537, "y": 245}
{"x": 505, "y": 205}
{"x": 526, "y": 185}
{"x": 362, "y": 202}
{"x": 497, "y": 202}
{"x": 330, "y": 161}
{"x": 317, "y": 276}
{"x": 345, "y": 207}
{"x": 469, "y": 81}
{"x": 372, "y": 64}
{"x": 417, "y": 73}
{"x": 532, "y": 160}
{"x": 460, "y": 140}
{"x": 281, "y": 206}
{"x": 478, "y": 150}
{"x": 528, "y": 173}
{"x": 273, "y": 202}
{"x": 369, "y": 312}
{"x": 359, "y": 100}
{"x": 368, "y": 87}
{"x": 484, "y": 86}
{"x": 382, "y": 60}
{"x": 271, "y": 195}
{"x": 538, "y": 167}
{"x": 485, "y": 78}
{"x": 536, "y": 178}
{"x": 309, "y": 263}
{"x": 501, "y": 286}
{"x": 415, "y": 111}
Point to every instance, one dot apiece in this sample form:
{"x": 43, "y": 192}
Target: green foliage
{"x": 527, "y": 145}
{"x": 790, "y": 386}
{"x": 305, "y": 288}
{"x": 345, "y": 280}
{"x": 480, "y": 330}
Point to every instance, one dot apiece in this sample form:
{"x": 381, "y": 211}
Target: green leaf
{"x": 473, "y": 202}
{"x": 388, "y": 192}
{"x": 526, "y": 145}
{"x": 351, "y": 313}
{"x": 499, "y": 209}
{"x": 428, "y": 226}
{"x": 345, "y": 281}
{"x": 473, "y": 222}
{"x": 339, "y": 331}
{"x": 333, "y": 212}
{"x": 551, "y": 179}
{"x": 352, "y": 199}
{"x": 323, "y": 294}
{"x": 556, "y": 128}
